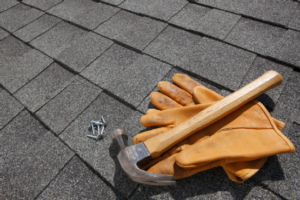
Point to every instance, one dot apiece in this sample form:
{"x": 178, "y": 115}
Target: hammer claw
{"x": 131, "y": 158}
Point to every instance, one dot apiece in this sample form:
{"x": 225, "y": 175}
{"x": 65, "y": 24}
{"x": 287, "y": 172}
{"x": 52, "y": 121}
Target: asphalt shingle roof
{"x": 64, "y": 63}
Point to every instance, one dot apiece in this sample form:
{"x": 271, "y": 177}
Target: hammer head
{"x": 133, "y": 157}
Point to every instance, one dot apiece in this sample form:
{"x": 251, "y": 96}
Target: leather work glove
{"x": 241, "y": 142}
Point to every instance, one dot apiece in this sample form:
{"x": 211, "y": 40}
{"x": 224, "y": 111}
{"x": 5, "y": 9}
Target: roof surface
{"x": 64, "y": 63}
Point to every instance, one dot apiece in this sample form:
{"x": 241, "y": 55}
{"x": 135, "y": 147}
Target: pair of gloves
{"x": 241, "y": 142}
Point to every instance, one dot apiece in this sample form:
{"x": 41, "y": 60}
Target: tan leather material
{"x": 172, "y": 116}
{"x": 148, "y": 134}
{"x": 240, "y": 142}
{"x": 204, "y": 95}
{"x": 185, "y": 82}
{"x": 163, "y": 102}
{"x": 174, "y": 92}
{"x": 241, "y": 171}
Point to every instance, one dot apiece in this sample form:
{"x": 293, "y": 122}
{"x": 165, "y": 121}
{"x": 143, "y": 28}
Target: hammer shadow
{"x": 121, "y": 181}
{"x": 214, "y": 183}
{"x": 267, "y": 101}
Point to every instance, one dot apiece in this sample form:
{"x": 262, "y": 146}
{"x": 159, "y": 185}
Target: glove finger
{"x": 172, "y": 116}
{"x": 241, "y": 171}
{"x": 179, "y": 95}
{"x": 152, "y": 111}
{"x": 185, "y": 82}
{"x": 163, "y": 102}
{"x": 203, "y": 95}
{"x": 142, "y": 137}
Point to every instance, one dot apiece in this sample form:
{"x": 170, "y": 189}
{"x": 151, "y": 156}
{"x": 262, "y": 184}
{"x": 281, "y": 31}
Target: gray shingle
{"x": 219, "y": 62}
{"x": 65, "y": 107}
{"x": 254, "y": 36}
{"x": 140, "y": 73}
{"x": 233, "y": 6}
{"x": 114, "y": 2}
{"x": 203, "y": 185}
{"x": 30, "y": 167}
{"x": 173, "y": 44}
{"x": 10, "y": 107}
{"x": 19, "y": 63}
{"x": 288, "y": 105}
{"x": 37, "y": 27}
{"x": 131, "y": 29}
{"x": 137, "y": 195}
{"x": 77, "y": 181}
{"x": 3, "y": 34}
{"x": 258, "y": 192}
{"x": 83, "y": 51}
{"x": 44, "y": 87}
{"x": 213, "y": 22}
{"x": 216, "y": 61}
{"x": 101, "y": 154}
{"x": 279, "y": 12}
{"x": 259, "y": 67}
{"x": 42, "y": 4}
{"x": 58, "y": 39}
{"x": 146, "y": 104}
{"x": 284, "y": 178}
{"x": 287, "y": 48}
{"x": 18, "y": 16}
{"x": 295, "y": 21}
{"x": 86, "y": 13}
{"x": 6, "y": 4}
{"x": 159, "y": 9}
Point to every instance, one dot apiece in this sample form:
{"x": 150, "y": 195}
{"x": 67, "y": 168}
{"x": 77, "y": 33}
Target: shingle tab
{"x": 254, "y": 36}
{"x": 3, "y": 34}
{"x": 114, "y": 2}
{"x": 140, "y": 73}
{"x": 19, "y": 63}
{"x": 159, "y": 9}
{"x": 173, "y": 44}
{"x": 287, "y": 48}
{"x": 83, "y": 51}
{"x": 42, "y": 4}
{"x": 10, "y": 107}
{"x": 58, "y": 39}
{"x": 77, "y": 181}
{"x": 86, "y": 13}
{"x": 131, "y": 29}
{"x": 259, "y": 67}
{"x": 18, "y": 16}
{"x": 44, "y": 87}
{"x": 101, "y": 154}
{"x": 276, "y": 11}
{"x": 216, "y": 61}
{"x": 37, "y": 27}
{"x": 288, "y": 105}
{"x": 281, "y": 173}
{"x": 31, "y": 166}
{"x": 6, "y": 4}
{"x": 212, "y": 22}
{"x": 219, "y": 62}
{"x": 295, "y": 21}
{"x": 65, "y": 107}
{"x": 203, "y": 185}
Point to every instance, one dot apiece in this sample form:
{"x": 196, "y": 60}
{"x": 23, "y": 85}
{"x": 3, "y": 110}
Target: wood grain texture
{"x": 161, "y": 143}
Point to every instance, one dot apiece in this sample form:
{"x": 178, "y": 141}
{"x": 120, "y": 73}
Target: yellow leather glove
{"x": 240, "y": 142}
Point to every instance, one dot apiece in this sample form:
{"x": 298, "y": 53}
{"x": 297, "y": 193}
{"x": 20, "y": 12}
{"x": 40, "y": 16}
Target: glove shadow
{"x": 214, "y": 183}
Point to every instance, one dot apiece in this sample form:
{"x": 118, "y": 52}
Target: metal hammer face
{"x": 131, "y": 158}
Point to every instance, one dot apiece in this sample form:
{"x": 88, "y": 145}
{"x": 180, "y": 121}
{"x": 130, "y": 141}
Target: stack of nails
{"x": 97, "y": 124}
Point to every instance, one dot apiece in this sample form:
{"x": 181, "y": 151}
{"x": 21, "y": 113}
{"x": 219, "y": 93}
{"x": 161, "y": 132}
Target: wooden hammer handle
{"x": 159, "y": 144}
